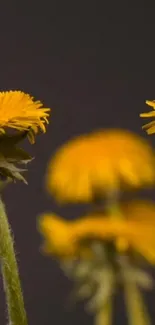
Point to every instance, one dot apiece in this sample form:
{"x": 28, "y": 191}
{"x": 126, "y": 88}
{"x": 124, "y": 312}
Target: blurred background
{"x": 93, "y": 63}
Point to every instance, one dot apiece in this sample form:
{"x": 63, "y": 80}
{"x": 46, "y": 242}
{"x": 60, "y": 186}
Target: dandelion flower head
{"x": 150, "y": 127}
{"x": 101, "y": 161}
{"x": 136, "y": 231}
{"x": 21, "y": 112}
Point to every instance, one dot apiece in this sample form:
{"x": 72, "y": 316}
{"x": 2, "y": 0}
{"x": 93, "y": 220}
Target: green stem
{"x": 14, "y": 297}
{"x": 137, "y": 313}
{"x": 113, "y": 206}
{"x": 104, "y": 315}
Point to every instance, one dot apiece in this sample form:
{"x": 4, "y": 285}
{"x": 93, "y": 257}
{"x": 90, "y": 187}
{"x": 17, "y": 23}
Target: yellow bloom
{"x": 150, "y": 127}
{"x": 100, "y": 162}
{"x": 19, "y": 111}
{"x": 136, "y": 231}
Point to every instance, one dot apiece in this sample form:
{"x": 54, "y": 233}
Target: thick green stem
{"x": 104, "y": 315}
{"x": 113, "y": 206}
{"x": 137, "y": 313}
{"x": 14, "y": 297}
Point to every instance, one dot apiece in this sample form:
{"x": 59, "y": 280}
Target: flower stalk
{"x": 136, "y": 308}
{"x": 104, "y": 315}
{"x": 9, "y": 269}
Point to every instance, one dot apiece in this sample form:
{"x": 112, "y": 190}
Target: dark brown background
{"x": 93, "y": 63}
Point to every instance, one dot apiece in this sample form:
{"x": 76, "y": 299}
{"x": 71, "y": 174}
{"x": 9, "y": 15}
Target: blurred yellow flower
{"x": 19, "y": 111}
{"x": 150, "y": 127}
{"x": 135, "y": 231}
{"x": 100, "y": 162}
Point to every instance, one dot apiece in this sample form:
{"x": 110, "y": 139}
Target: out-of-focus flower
{"x": 150, "y": 127}
{"x": 19, "y": 111}
{"x": 100, "y": 162}
{"x": 134, "y": 231}
{"x": 102, "y": 252}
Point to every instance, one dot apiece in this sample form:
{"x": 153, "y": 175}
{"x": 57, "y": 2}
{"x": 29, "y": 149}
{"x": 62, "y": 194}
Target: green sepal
{"x": 10, "y": 151}
{"x": 9, "y": 170}
{"x": 10, "y": 154}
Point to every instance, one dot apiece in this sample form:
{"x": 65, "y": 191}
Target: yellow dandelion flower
{"x": 101, "y": 252}
{"x": 135, "y": 231}
{"x": 19, "y": 111}
{"x": 100, "y": 162}
{"x": 150, "y": 127}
